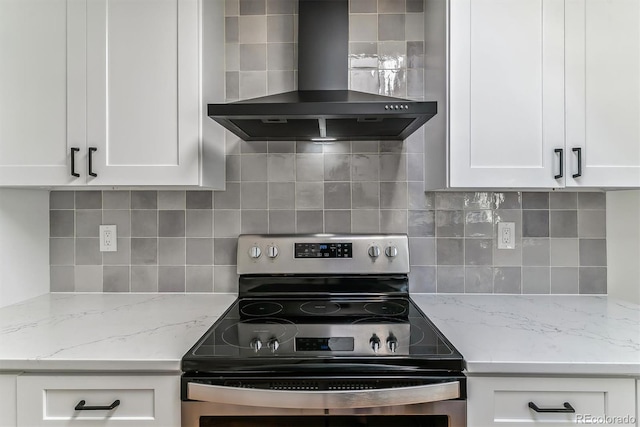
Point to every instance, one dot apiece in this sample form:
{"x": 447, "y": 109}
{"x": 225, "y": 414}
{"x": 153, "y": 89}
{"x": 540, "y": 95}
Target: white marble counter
{"x": 524, "y": 334}
{"x": 79, "y": 332}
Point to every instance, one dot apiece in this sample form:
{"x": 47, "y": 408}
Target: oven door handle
{"x": 338, "y": 399}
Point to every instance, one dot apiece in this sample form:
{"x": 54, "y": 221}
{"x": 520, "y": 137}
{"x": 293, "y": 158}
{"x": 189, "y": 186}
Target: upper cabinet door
{"x": 603, "y": 92}
{"x": 506, "y": 93}
{"x": 143, "y": 92}
{"x": 39, "y": 117}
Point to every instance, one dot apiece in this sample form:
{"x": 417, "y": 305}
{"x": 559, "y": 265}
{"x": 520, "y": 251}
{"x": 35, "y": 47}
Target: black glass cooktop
{"x": 258, "y": 334}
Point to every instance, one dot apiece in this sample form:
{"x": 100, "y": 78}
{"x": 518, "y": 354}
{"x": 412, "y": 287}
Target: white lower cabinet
{"x": 63, "y": 400}
{"x": 510, "y": 401}
{"x": 8, "y": 400}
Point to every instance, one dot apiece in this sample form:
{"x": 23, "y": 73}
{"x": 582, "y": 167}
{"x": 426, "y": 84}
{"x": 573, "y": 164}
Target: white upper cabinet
{"x": 113, "y": 85}
{"x": 36, "y": 125}
{"x": 506, "y": 94}
{"x": 603, "y": 92}
{"x": 531, "y": 86}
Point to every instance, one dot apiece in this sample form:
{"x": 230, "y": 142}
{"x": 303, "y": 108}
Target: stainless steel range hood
{"x": 322, "y": 109}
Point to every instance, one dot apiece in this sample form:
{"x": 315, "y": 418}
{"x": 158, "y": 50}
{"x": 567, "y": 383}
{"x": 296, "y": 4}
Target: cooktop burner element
{"x": 320, "y": 307}
{"x": 385, "y": 308}
{"x": 261, "y": 308}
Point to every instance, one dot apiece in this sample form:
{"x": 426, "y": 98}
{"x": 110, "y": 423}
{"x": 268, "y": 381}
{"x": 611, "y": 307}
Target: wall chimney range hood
{"x": 322, "y": 109}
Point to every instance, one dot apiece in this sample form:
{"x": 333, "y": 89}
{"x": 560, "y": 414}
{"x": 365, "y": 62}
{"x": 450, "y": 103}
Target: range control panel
{"x": 323, "y": 254}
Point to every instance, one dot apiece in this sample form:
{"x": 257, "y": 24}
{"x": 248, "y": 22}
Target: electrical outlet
{"x": 108, "y": 238}
{"x": 506, "y": 235}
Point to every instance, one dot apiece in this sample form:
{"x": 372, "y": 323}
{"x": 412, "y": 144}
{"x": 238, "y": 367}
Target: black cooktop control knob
{"x": 374, "y": 251}
{"x": 273, "y": 344}
{"x": 392, "y": 343}
{"x": 256, "y": 344}
{"x": 374, "y": 342}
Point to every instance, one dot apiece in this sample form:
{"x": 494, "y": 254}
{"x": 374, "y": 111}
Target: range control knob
{"x": 273, "y": 344}
{"x": 255, "y": 252}
{"x": 391, "y": 251}
{"x": 272, "y": 251}
{"x": 256, "y": 344}
{"x": 374, "y": 251}
{"x": 392, "y": 343}
{"x": 374, "y": 342}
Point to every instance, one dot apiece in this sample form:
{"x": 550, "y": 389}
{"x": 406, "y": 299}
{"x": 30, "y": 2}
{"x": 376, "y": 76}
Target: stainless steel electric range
{"x": 324, "y": 333}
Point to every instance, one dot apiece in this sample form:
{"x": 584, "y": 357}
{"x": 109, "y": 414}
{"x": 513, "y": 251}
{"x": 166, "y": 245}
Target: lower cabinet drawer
{"x": 550, "y": 402}
{"x": 118, "y": 400}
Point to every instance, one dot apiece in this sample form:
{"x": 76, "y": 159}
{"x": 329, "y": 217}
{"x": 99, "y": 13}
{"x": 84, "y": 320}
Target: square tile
{"x": 199, "y": 251}
{"x": 307, "y": 147}
{"x": 391, "y": 27}
{"x": 88, "y": 278}
{"x": 226, "y": 223}
{"x": 252, "y": 29}
{"x": 171, "y": 223}
{"x": 450, "y": 280}
{"x": 282, "y": 222}
{"x": 592, "y": 224}
{"x": 88, "y": 251}
{"x": 536, "y": 280}
{"x": 421, "y": 223}
{"x": 281, "y": 167}
{"x": 414, "y": 27}
{"x": 309, "y": 167}
{"x": 393, "y": 221}
{"x": 563, "y": 223}
{"x": 393, "y": 167}
{"x": 337, "y": 167}
{"x": 418, "y": 198}
{"x": 199, "y": 200}
{"x": 363, "y": 6}
{"x": 393, "y": 195}
{"x": 144, "y": 223}
{"x": 367, "y": 147}
{"x": 390, "y": 6}
{"x": 252, "y": 84}
{"x": 338, "y": 221}
{"x": 337, "y": 195}
{"x": 563, "y": 200}
{"x": 414, "y": 6}
{"x": 365, "y": 167}
{"x": 592, "y": 280}
{"x": 229, "y": 198}
{"x": 233, "y": 168}
{"x": 120, "y": 218}
{"x": 564, "y": 252}
{"x": 171, "y": 279}
{"x": 450, "y": 223}
{"x": 564, "y": 280}
{"x": 595, "y": 200}
{"x": 122, "y": 256}
{"x": 282, "y": 195}
{"x": 507, "y": 280}
{"x": 478, "y": 251}
{"x": 116, "y": 199}
{"x": 535, "y": 223}
{"x": 115, "y": 279}
{"x": 535, "y": 200}
{"x": 88, "y": 199}
{"x": 254, "y": 222}
{"x": 253, "y": 57}
{"x": 363, "y": 28}
{"x": 144, "y": 251}
{"x": 253, "y": 7}
{"x": 450, "y": 251}
{"x": 171, "y": 251}
{"x": 231, "y": 29}
{"x": 254, "y": 195}
{"x": 253, "y": 167}
{"x": 365, "y": 195}
{"x": 61, "y": 223}
{"x": 144, "y": 200}
{"x": 365, "y": 221}
{"x": 280, "y": 29}
{"x": 144, "y": 279}
{"x": 281, "y": 147}
{"x": 199, "y": 278}
{"x": 61, "y": 200}
{"x": 232, "y": 85}
{"x": 449, "y": 201}
{"x": 422, "y": 279}
{"x": 199, "y": 223}
{"x": 61, "y": 251}
{"x": 415, "y": 168}
{"x": 62, "y": 278}
{"x": 478, "y": 280}
{"x": 88, "y": 223}
{"x": 479, "y": 200}
{"x": 224, "y": 251}
{"x": 172, "y": 200}
{"x": 275, "y": 7}
{"x": 309, "y": 195}
{"x": 279, "y": 81}
{"x": 477, "y": 223}
{"x": 309, "y": 221}
{"x": 535, "y": 252}
{"x": 225, "y": 279}
{"x": 593, "y": 252}
{"x": 422, "y": 250}
{"x": 507, "y": 200}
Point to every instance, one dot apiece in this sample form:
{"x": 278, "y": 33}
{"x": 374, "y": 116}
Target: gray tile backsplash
{"x": 185, "y": 241}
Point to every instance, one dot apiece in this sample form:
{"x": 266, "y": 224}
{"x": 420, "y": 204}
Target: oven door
{"x": 440, "y": 404}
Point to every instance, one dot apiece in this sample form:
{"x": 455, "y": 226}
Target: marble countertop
{"x": 542, "y": 334}
{"x": 517, "y": 334}
{"x": 80, "y": 332}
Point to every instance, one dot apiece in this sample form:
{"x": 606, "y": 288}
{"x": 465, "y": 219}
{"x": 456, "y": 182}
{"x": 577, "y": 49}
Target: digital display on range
{"x": 323, "y": 250}
{"x": 324, "y": 344}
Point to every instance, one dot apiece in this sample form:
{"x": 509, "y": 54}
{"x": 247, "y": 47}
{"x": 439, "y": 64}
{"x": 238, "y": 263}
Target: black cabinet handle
{"x": 579, "y": 151}
{"x": 567, "y": 408}
{"x": 81, "y": 407}
{"x": 91, "y": 151}
{"x": 74, "y": 150}
{"x": 561, "y": 152}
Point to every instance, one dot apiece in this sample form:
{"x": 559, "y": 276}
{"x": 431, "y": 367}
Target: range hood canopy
{"x": 323, "y": 109}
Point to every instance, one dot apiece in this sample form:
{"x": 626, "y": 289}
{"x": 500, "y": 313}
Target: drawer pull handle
{"x": 567, "y": 408}
{"x": 561, "y": 152}
{"x": 579, "y": 151}
{"x": 91, "y": 151}
{"x": 74, "y": 150}
{"x": 81, "y": 407}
